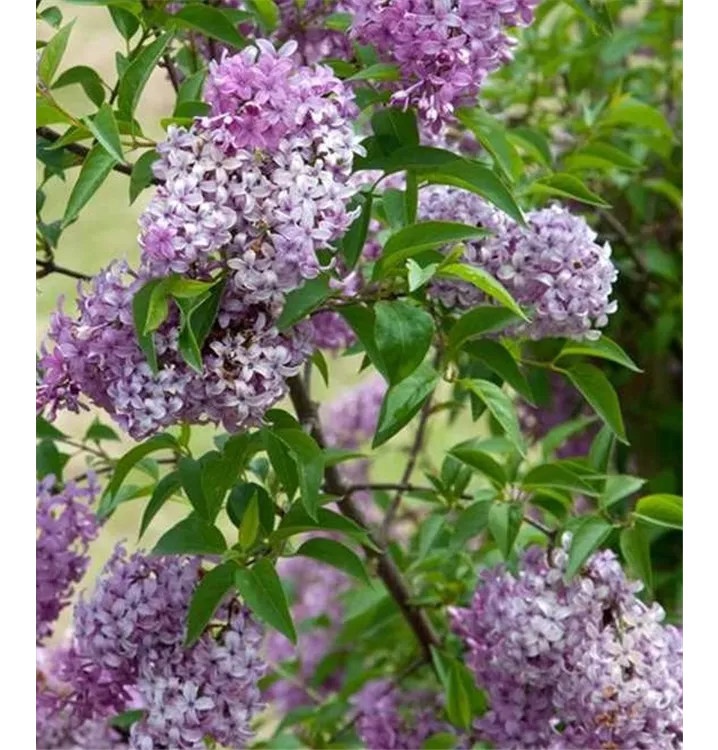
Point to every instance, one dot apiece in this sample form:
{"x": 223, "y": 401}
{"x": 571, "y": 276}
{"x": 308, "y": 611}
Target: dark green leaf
{"x": 416, "y": 238}
{"x": 207, "y": 596}
{"x": 636, "y": 551}
{"x": 211, "y": 22}
{"x": 335, "y": 554}
{"x": 557, "y": 436}
{"x": 87, "y": 78}
{"x": 138, "y": 72}
{"x": 403, "y": 334}
{"x": 239, "y": 500}
{"x": 142, "y": 174}
{"x": 43, "y": 429}
{"x": 440, "y": 741}
{"x": 128, "y": 461}
{"x": 601, "y": 449}
{"x": 498, "y": 359}
{"x": 267, "y": 12}
{"x": 483, "y": 319}
{"x": 192, "y": 536}
{"x": 127, "y": 23}
{"x": 49, "y": 460}
{"x": 482, "y": 462}
{"x": 491, "y": 134}
{"x": 98, "y": 431}
{"x": 485, "y": 281}
{"x": 395, "y": 127}
{"x": 52, "y": 15}
{"x": 310, "y": 466}
{"x": 282, "y": 463}
{"x": 627, "y": 111}
{"x": 600, "y": 155}
{"x": 262, "y": 591}
{"x": 95, "y": 169}
{"x": 618, "y": 487}
{"x": 501, "y": 408}
{"x": 471, "y": 522}
{"x": 320, "y": 363}
{"x": 403, "y": 400}
{"x": 300, "y": 302}
{"x": 352, "y": 243}
{"x": 104, "y": 127}
{"x": 52, "y": 54}
{"x": 362, "y": 321}
{"x": 141, "y": 312}
{"x": 126, "y": 719}
{"x": 587, "y": 538}
{"x": 661, "y": 510}
{"x": 603, "y": 348}
{"x": 504, "y": 524}
{"x": 567, "y": 186}
{"x": 598, "y": 391}
{"x": 164, "y": 489}
{"x": 377, "y": 72}
{"x": 191, "y": 476}
{"x": 596, "y": 12}
{"x": 534, "y": 142}
{"x": 298, "y": 521}
{"x": 557, "y": 476}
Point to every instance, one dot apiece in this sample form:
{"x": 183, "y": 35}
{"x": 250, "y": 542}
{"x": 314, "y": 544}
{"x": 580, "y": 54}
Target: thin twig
{"x": 169, "y": 66}
{"x": 386, "y": 568}
{"x": 49, "y": 266}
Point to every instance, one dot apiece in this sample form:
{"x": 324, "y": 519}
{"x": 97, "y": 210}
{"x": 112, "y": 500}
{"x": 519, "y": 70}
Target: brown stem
{"x": 169, "y": 66}
{"x": 49, "y": 266}
{"x": 386, "y": 568}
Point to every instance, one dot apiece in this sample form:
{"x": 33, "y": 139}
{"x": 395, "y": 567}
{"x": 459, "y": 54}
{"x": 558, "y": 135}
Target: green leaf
{"x": 352, "y": 243}
{"x": 394, "y": 204}
{"x": 204, "y": 309}
{"x": 567, "y": 186}
{"x": 479, "y": 320}
{"x": 320, "y": 362}
{"x": 335, "y": 554}
{"x": 98, "y": 431}
{"x": 126, "y": 719}
{"x": 457, "y": 703}
{"x": 191, "y": 477}
{"x": 471, "y": 522}
{"x": 628, "y": 111}
{"x": 262, "y": 591}
{"x": 416, "y": 238}
{"x": 104, "y": 127}
{"x": 310, "y": 466}
{"x": 603, "y": 348}
{"x": 618, "y": 487}
{"x": 49, "y": 460}
{"x": 239, "y": 500}
{"x": 377, "y": 72}
{"x": 491, "y": 134}
{"x": 534, "y": 142}
{"x": 636, "y": 550}
{"x": 128, "y": 461}
{"x": 47, "y": 114}
{"x": 601, "y": 448}
{"x": 298, "y": 521}
{"x": 403, "y": 400}
{"x": 142, "y": 174}
{"x": 211, "y": 22}
{"x": 127, "y": 23}
{"x": 300, "y": 302}
{"x": 598, "y": 155}
{"x": 485, "y": 281}
{"x": 43, "y": 429}
{"x": 661, "y": 510}
{"x": 440, "y": 741}
{"x": 206, "y": 597}
{"x": 587, "y": 538}
{"x": 598, "y": 391}
{"x": 192, "y": 536}
{"x": 403, "y": 334}
{"x": 667, "y": 190}
{"x": 249, "y": 528}
{"x": 501, "y": 408}
{"x": 557, "y": 476}
{"x": 142, "y": 313}
{"x": 422, "y": 158}
{"x": 164, "y": 489}
{"x": 52, "y": 54}
{"x": 282, "y": 463}
{"x": 557, "y": 436}
{"x": 504, "y": 524}
{"x": 87, "y": 78}
{"x": 267, "y": 12}
{"x": 395, "y": 128}
{"x": 498, "y": 359}
{"x": 52, "y": 16}
{"x": 362, "y": 321}
{"x": 418, "y": 276}
{"x": 138, "y": 72}
{"x": 95, "y": 169}
{"x": 482, "y": 462}
{"x": 596, "y": 12}
{"x": 476, "y": 178}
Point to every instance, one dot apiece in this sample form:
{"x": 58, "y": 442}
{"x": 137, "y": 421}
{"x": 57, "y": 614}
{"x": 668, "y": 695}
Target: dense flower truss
{"x": 318, "y": 612}
{"x": 444, "y": 48}
{"x": 580, "y": 665}
{"x": 245, "y": 362}
{"x": 565, "y": 404}
{"x": 553, "y": 266}
{"x": 395, "y": 719}
{"x": 65, "y": 527}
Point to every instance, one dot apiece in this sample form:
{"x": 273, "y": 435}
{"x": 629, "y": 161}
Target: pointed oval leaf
{"x": 335, "y": 554}
{"x": 137, "y": 74}
{"x": 595, "y": 387}
{"x": 163, "y": 490}
{"x": 206, "y": 598}
{"x": 586, "y": 539}
{"x": 95, "y": 170}
{"x": 603, "y": 348}
{"x": 486, "y": 282}
{"x": 192, "y": 536}
{"x": 482, "y": 319}
{"x": 661, "y": 510}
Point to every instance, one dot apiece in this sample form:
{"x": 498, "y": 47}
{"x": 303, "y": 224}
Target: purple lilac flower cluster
{"x": 552, "y": 266}
{"x": 65, "y": 527}
{"x": 318, "y": 612}
{"x": 584, "y": 664}
{"x": 444, "y": 48}
{"x": 127, "y": 651}
{"x": 395, "y": 719}
{"x": 252, "y": 190}
{"x": 565, "y": 404}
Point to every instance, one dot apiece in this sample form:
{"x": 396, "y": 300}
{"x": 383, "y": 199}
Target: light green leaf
{"x": 618, "y": 487}
{"x": 88, "y": 78}
{"x": 586, "y": 539}
{"x": 479, "y": 320}
{"x": 636, "y": 551}
{"x": 95, "y": 169}
{"x": 335, "y": 554}
{"x": 504, "y": 524}
{"x": 498, "y": 359}
{"x": 377, "y": 72}
{"x": 567, "y": 186}
{"x": 138, "y": 72}
{"x": 104, "y": 127}
{"x": 52, "y": 54}
{"x": 262, "y": 591}
{"x": 661, "y": 510}
{"x": 501, "y": 408}
{"x": 603, "y": 348}
{"x": 482, "y": 462}
{"x": 628, "y": 111}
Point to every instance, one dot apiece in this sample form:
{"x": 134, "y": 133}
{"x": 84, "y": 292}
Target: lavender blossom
{"x": 444, "y": 50}
{"x": 65, "y": 527}
{"x": 351, "y": 419}
{"x": 578, "y": 665}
